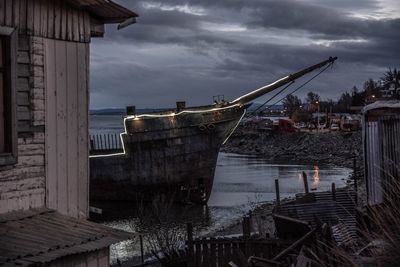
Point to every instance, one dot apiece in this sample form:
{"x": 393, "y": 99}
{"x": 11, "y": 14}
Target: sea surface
{"x": 241, "y": 182}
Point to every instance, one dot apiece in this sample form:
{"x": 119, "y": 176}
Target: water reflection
{"x": 240, "y": 183}
{"x": 316, "y": 177}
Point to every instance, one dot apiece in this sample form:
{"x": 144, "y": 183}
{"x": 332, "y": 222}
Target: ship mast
{"x": 285, "y": 80}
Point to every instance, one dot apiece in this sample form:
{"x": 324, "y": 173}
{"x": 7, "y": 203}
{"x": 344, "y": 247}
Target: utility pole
{"x": 317, "y": 102}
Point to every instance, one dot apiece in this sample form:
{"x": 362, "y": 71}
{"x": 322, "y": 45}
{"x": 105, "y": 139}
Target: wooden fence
{"x": 220, "y": 251}
{"x": 105, "y": 144}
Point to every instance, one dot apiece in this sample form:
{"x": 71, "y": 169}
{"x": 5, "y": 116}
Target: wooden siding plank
{"x": 23, "y": 114}
{"x": 2, "y": 14}
{"x": 44, "y": 18}
{"x": 103, "y": 257}
{"x": 23, "y": 84}
{"x": 22, "y": 17}
{"x": 36, "y": 18}
{"x": 23, "y": 99}
{"x": 29, "y": 17}
{"x": 64, "y": 15}
{"x": 16, "y": 13}
{"x": 92, "y": 259}
{"x": 57, "y": 20}
{"x": 70, "y": 23}
{"x": 62, "y": 157}
{"x": 87, "y": 26}
{"x": 75, "y": 25}
{"x": 81, "y": 21}
{"x": 51, "y": 121}
{"x": 72, "y": 127}
{"x": 83, "y": 146}
{"x": 50, "y": 21}
{"x": 9, "y": 13}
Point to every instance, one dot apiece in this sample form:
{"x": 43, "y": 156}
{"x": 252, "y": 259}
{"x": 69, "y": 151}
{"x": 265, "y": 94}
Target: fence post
{"x": 141, "y": 248}
{"x": 91, "y": 144}
{"x": 278, "y": 198}
{"x": 333, "y": 192}
{"x": 246, "y": 227}
{"x": 246, "y": 234}
{"x": 189, "y": 228}
{"x": 305, "y": 183}
{"x": 355, "y": 179}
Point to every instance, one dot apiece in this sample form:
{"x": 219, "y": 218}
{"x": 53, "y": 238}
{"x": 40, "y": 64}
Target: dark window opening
{"x": 8, "y": 138}
{"x": 3, "y": 96}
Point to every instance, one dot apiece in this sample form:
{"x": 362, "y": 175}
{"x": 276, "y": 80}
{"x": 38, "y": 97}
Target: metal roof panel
{"x": 43, "y": 235}
{"x": 105, "y": 10}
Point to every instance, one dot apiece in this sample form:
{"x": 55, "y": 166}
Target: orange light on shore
{"x": 316, "y": 176}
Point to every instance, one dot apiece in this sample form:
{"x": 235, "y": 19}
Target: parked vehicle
{"x": 335, "y": 127}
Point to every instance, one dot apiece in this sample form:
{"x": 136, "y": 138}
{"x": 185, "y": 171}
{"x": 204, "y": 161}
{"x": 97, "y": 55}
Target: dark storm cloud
{"x": 189, "y": 48}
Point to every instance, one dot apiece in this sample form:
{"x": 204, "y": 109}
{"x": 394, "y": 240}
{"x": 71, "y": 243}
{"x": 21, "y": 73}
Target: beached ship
{"x": 173, "y": 154}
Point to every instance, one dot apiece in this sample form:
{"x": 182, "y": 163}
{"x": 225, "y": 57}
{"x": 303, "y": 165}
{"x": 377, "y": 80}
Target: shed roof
{"x": 105, "y": 10}
{"x": 382, "y": 104}
{"x": 42, "y": 235}
{"x": 324, "y": 208}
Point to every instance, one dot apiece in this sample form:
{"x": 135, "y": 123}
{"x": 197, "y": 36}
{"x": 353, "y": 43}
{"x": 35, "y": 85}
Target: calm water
{"x": 240, "y": 183}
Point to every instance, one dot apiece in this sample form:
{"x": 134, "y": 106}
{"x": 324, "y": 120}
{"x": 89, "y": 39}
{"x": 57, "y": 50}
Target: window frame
{"x": 10, "y": 157}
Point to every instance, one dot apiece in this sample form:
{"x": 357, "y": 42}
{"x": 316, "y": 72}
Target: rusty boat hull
{"x": 167, "y": 155}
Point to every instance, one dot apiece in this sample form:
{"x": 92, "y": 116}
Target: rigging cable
{"x": 266, "y": 102}
{"x": 301, "y": 86}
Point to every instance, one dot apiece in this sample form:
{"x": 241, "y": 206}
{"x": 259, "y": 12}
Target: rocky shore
{"x": 333, "y": 148}
{"x": 330, "y": 148}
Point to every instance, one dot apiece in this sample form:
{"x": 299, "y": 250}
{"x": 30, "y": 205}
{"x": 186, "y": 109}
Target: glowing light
{"x": 137, "y": 117}
{"x": 115, "y": 154}
{"x": 316, "y": 176}
{"x": 177, "y": 114}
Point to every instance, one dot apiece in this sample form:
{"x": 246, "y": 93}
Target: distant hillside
{"x": 255, "y": 106}
{"x": 122, "y": 111}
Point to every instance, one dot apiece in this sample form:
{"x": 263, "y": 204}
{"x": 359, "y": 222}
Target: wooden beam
{"x": 305, "y": 183}
{"x": 294, "y": 245}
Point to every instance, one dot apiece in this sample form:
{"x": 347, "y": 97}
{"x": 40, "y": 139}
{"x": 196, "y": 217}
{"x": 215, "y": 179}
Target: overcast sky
{"x": 192, "y": 50}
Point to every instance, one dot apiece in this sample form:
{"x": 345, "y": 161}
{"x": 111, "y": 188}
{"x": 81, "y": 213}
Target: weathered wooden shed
{"x": 44, "y": 101}
{"x": 381, "y": 141}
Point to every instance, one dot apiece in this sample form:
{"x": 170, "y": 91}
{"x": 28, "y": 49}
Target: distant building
{"x": 274, "y": 109}
{"x": 44, "y": 172}
{"x": 390, "y": 90}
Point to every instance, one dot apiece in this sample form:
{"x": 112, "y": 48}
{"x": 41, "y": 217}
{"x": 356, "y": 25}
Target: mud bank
{"x": 335, "y": 148}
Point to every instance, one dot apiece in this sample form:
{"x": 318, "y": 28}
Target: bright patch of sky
{"x": 188, "y": 9}
{"x": 212, "y": 26}
{"x": 329, "y": 43}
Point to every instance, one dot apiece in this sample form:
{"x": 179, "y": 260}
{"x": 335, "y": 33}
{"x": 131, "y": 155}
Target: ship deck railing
{"x": 106, "y": 143}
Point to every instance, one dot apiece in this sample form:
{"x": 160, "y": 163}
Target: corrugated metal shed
{"x": 381, "y": 141}
{"x": 43, "y": 235}
{"x": 105, "y": 10}
{"x": 325, "y": 207}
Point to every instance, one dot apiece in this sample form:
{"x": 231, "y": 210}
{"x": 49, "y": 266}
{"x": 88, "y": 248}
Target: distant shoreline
{"x": 335, "y": 148}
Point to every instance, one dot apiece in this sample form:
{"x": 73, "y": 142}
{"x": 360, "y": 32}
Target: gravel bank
{"x": 334, "y": 148}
